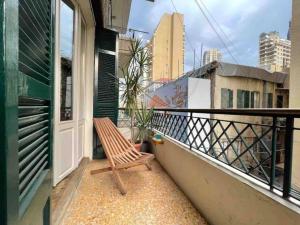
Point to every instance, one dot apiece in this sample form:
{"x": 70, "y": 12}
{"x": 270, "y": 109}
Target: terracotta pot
{"x": 138, "y": 146}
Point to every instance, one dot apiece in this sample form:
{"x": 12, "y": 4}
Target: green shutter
{"x": 270, "y": 100}
{"x": 26, "y": 91}
{"x": 106, "y": 95}
{"x": 224, "y": 98}
{"x": 246, "y": 99}
{"x": 35, "y": 102}
{"x": 230, "y": 96}
{"x": 107, "y": 91}
{"x": 240, "y": 99}
{"x": 252, "y": 102}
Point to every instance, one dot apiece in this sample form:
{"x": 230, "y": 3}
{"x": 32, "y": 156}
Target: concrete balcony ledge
{"x": 222, "y": 196}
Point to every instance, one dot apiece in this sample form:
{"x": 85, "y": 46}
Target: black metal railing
{"x": 258, "y": 142}
{"x": 123, "y": 119}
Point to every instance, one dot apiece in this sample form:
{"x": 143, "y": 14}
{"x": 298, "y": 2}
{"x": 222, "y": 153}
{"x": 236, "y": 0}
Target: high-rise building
{"x": 211, "y": 55}
{"x": 274, "y": 52}
{"x": 289, "y": 31}
{"x": 167, "y": 48}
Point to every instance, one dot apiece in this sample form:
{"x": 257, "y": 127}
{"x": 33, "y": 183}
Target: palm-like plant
{"x": 138, "y": 64}
{"x": 143, "y": 119}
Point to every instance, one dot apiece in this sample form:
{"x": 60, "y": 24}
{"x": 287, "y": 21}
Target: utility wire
{"x": 218, "y": 25}
{"x": 214, "y": 29}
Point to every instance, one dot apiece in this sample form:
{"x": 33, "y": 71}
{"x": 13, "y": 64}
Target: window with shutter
{"x": 230, "y": 99}
{"x": 255, "y": 99}
{"x": 243, "y": 99}
{"x": 270, "y": 100}
{"x": 240, "y": 102}
{"x": 226, "y": 98}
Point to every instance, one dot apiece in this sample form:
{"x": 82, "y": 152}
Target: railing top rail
{"x": 246, "y": 112}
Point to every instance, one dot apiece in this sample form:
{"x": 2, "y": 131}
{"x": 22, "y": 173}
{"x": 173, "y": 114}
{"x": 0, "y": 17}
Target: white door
{"x": 69, "y": 91}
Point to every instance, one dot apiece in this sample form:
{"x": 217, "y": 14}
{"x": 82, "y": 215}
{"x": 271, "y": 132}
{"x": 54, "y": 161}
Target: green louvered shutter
{"x": 107, "y": 91}
{"x": 230, "y": 96}
{"x": 240, "y": 99}
{"x": 106, "y": 94}
{"x": 35, "y": 105}
{"x": 246, "y": 99}
{"x": 224, "y": 98}
{"x": 26, "y": 111}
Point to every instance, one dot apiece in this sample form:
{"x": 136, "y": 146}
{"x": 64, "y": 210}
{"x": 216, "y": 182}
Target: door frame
{"x": 82, "y": 9}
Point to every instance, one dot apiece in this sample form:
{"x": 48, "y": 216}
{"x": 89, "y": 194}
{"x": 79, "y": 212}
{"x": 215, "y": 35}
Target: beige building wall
{"x": 167, "y": 48}
{"x": 295, "y": 87}
{"x": 242, "y": 83}
{"x": 252, "y": 85}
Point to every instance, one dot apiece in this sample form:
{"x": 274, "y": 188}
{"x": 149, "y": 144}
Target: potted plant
{"x": 133, "y": 73}
{"x": 143, "y": 121}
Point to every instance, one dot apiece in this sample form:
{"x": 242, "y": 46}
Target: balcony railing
{"x": 258, "y": 143}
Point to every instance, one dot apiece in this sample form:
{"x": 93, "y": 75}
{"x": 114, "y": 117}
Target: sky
{"x": 241, "y": 20}
{"x": 66, "y": 31}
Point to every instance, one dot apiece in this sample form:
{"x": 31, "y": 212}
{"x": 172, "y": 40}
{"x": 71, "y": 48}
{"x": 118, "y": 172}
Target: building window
{"x": 268, "y": 99}
{"x": 248, "y": 99}
{"x": 279, "y": 101}
{"x": 243, "y": 99}
{"x": 226, "y": 98}
{"x": 255, "y": 99}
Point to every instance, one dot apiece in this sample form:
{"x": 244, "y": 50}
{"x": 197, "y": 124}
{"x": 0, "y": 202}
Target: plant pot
{"x": 138, "y": 146}
{"x": 146, "y": 147}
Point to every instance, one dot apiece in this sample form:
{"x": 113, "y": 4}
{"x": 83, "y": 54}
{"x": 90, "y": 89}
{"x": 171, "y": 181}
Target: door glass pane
{"x": 66, "y": 56}
{"x": 82, "y": 71}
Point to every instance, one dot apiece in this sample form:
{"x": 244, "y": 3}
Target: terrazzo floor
{"x": 152, "y": 198}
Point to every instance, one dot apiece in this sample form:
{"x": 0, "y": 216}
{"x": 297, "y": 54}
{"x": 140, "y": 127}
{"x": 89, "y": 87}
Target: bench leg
{"x": 119, "y": 182}
{"x": 102, "y": 170}
{"x": 148, "y": 165}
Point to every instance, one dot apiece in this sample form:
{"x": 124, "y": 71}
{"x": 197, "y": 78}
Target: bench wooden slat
{"x": 108, "y": 144}
{"x": 120, "y": 149}
{"x": 120, "y": 152}
{"x": 130, "y": 151}
{"x": 123, "y": 141}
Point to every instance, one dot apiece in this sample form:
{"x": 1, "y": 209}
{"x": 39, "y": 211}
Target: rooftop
{"x": 234, "y": 70}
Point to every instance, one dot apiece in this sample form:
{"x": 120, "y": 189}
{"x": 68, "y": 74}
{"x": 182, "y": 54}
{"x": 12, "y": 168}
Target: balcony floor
{"x": 152, "y": 198}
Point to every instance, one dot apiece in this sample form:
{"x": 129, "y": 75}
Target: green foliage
{"x": 143, "y": 119}
{"x": 138, "y": 64}
{"x": 133, "y": 72}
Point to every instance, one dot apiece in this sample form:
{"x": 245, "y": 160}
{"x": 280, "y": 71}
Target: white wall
{"x": 295, "y": 88}
{"x": 199, "y": 97}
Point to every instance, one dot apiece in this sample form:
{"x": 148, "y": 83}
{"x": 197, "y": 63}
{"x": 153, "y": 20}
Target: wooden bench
{"x": 120, "y": 153}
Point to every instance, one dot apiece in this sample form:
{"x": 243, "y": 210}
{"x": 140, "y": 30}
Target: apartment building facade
{"x": 211, "y": 55}
{"x": 274, "y": 52}
{"x": 167, "y": 48}
{"x": 243, "y": 87}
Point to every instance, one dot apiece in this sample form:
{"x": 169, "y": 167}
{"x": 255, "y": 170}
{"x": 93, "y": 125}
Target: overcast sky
{"x": 242, "y": 21}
